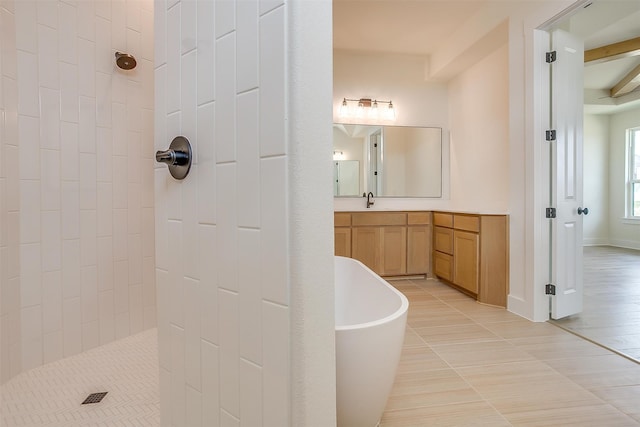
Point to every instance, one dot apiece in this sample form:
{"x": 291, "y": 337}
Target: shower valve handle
{"x": 177, "y": 157}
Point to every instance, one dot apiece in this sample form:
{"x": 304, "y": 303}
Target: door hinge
{"x": 550, "y": 135}
{"x": 550, "y": 289}
{"x": 550, "y": 212}
{"x": 550, "y": 57}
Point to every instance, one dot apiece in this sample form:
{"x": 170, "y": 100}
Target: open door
{"x": 566, "y": 173}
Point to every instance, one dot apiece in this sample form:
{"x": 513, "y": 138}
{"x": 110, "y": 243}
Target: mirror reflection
{"x": 389, "y": 161}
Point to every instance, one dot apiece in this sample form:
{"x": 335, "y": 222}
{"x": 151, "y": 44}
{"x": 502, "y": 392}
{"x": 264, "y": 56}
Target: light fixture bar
{"x": 371, "y": 106}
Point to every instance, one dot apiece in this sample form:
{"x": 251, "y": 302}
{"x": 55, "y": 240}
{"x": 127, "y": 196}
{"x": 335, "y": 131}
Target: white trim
{"x": 595, "y": 242}
{"x": 626, "y": 244}
{"x": 630, "y": 221}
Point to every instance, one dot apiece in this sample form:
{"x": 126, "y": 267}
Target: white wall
{"x": 479, "y": 121}
{"x": 82, "y": 274}
{"x": 244, "y": 243}
{"x": 596, "y": 179}
{"x": 624, "y": 233}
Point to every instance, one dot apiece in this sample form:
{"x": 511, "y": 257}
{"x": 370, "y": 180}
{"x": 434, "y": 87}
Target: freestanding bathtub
{"x": 371, "y": 317}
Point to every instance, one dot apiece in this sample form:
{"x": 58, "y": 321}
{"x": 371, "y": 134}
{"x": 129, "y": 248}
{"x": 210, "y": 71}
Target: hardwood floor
{"x": 468, "y": 364}
{"x": 611, "y": 314}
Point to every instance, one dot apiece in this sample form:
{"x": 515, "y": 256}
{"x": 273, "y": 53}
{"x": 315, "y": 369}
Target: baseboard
{"x": 596, "y": 241}
{"x": 627, "y": 244}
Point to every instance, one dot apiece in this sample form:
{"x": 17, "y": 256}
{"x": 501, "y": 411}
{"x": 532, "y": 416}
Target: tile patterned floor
{"x": 463, "y": 364}
{"x": 51, "y": 395}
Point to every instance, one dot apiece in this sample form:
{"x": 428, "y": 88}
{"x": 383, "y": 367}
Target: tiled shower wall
{"x": 222, "y": 253}
{"x": 77, "y": 173}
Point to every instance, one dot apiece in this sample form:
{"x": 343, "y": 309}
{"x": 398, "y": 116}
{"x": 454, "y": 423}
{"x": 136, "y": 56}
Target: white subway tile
{"x": 12, "y": 180}
{"x": 273, "y": 216}
{"x": 250, "y": 295}
{"x": 160, "y": 33}
{"x": 30, "y": 229}
{"x": 69, "y": 92}
{"x": 48, "y": 55}
{"x": 47, "y": 14}
{"x": 50, "y": 190}
{"x": 68, "y": 33}
{"x": 50, "y": 118}
{"x": 210, "y": 384}
{"x": 135, "y": 259}
{"x": 269, "y": 5}
{"x": 107, "y": 316}
{"x": 71, "y": 323}
{"x": 225, "y": 105}
{"x": 71, "y": 284}
{"x": 120, "y": 184}
{"x": 206, "y": 165}
{"x": 192, "y": 328}
{"x": 160, "y": 110}
{"x": 225, "y": 17}
{"x": 207, "y": 244}
{"x": 173, "y": 60}
{"x": 188, "y": 29}
{"x": 248, "y": 149}
{"x": 272, "y": 84}
{"x": 119, "y": 25}
{"x": 88, "y": 181}
{"x": 150, "y": 317}
{"x": 133, "y": 15}
{"x": 147, "y": 85}
{"x": 146, "y": 35}
{"x": 135, "y": 309}
{"x": 227, "y": 217}
{"x": 178, "y": 389}
{"x": 147, "y": 186}
{"x": 275, "y": 365}
{"x": 8, "y": 33}
{"x": 164, "y": 322}
{"x": 103, "y": 8}
{"x": 87, "y": 125}
{"x": 26, "y": 16}
{"x": 229, "y": 352}
{"x": 103, "y": 99}
{"x": 189, "y": 97}
{"x": 29, "y": 149}
{"x": 120, "y": 252}
{"x": 104, "y": 213}
{"x": 148, "y": 240}
{"x": 105, "y": 263}
{"x": 13, "y": 248}
{"x": 247, "y": 45}
{"x": 86, "y": 67}
{"x": 52, "y": 346}
{"x": 206, "y": 51}
{"x": 146, "y": 135}
{"x": 194, "y": 404}
{"x": 133, "y": 159}
{"x": 165, "y": 395}
{"x": 69, "y": 153}
{"x": 134, "y": 106}
{"x": 88, "y": 237}
{"x": 190, "y": 226}
{"x": 176, "y": 276}
{"x": 31, "y": 337}
{"x": 148, "y": 283}
{"x": 90, "y": 335}
{"x": 161, "y": 228}
{"x": 122, "y": 325}
{"x": 86, "y": 20}
{"x": 51, "y": 241}
{"x": 121, "y": 288}
{"x": 104, "y": 56}
{"x": 104, "y": 154}
{"x": 89, "y": 293}
{"x": 70, "y": 210}
{"x": 134, "y": 210}
{"x": 228, "y": 420}
{"x": 119, "y": 116}
{"x": 51, "y": 301}
{"x": 30, "y": 275}
{"x": 250, "y": 393}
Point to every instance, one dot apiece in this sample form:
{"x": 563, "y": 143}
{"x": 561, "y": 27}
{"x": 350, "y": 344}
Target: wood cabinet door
{"x": 443, "y": 240}
{"x": 465, "y": 260}
{"x": 365, "y": 246}
{"x": 394, "y": 251}
{"x": 342, "y": 241}
{"x": 443, "y": 265}
{"x": 418, "y": 249}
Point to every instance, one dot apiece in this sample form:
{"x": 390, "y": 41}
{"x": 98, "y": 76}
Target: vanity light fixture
{"x": 367, "y": 107}
{"x": 338, "y": 155}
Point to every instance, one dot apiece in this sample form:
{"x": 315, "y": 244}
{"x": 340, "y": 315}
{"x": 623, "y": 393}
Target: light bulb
{"x": 360, "y": 110}
{"x": 391, "y": 112}
{"x": 373, "y": 112}
{"x": 344, "y": 108}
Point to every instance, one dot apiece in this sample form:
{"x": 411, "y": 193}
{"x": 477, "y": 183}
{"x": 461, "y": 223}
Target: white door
{"x": 566, "y": 161}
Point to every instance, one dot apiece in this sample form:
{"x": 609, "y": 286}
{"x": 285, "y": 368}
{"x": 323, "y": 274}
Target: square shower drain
{"x": 94, "y": 397}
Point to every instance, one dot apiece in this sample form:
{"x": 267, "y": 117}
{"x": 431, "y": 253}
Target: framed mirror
{"x": 389, "y": 161}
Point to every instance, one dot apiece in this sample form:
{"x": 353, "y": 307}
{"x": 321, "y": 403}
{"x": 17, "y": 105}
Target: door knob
{"x": 582, "y": 211}
{"x": 177, "y": 157}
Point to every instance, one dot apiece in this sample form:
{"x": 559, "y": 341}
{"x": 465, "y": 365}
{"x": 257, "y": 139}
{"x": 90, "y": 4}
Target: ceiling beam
{"x": 627, "y": 84}
{"x": 613, "y": 51}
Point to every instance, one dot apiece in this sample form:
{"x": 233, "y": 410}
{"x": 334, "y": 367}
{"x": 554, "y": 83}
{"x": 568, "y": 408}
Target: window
{"x": 633, "y": 174}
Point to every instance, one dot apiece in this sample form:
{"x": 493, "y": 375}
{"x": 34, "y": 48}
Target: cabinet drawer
{"x": 369, "y": 219}
{"x": 466, "y": 222}
{"x": 341, "y": 219}
{"x": 443, "y": 240}
{"x": 418, "y": 218}
{"x": 443, "y": 219}
{"x": 443, "y": 265}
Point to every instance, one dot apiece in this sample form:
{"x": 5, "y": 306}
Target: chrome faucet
{"x": 370, "y": 200}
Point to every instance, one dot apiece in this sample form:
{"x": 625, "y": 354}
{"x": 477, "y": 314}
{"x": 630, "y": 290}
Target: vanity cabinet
{"x": 470, "y": 252}
{"x": 389, "y": 243}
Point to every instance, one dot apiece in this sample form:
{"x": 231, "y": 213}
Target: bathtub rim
{"x": 404, "y": 305}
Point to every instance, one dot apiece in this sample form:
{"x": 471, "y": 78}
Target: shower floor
{"x": 52, "y": 395}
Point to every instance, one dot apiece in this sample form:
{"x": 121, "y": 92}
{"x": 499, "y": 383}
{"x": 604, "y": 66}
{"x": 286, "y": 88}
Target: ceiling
{"x": 420, "y": 27}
